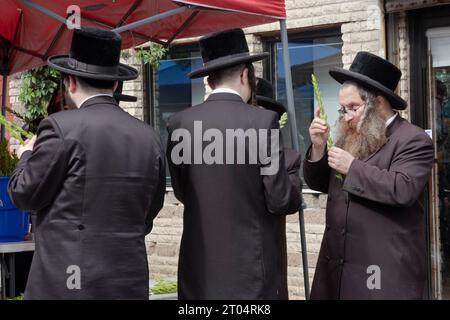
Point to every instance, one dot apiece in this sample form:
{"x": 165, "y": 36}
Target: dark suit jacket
{"x": 375, "y": 224}
{"x": 96, "y": 178}
{"x": 230, "y": 248}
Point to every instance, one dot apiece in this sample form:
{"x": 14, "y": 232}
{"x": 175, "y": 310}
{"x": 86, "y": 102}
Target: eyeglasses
{"x": 351, "y": 112}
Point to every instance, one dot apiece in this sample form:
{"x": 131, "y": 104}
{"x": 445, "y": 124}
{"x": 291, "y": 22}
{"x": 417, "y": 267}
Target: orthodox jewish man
{"x": 232, "y": 209}
{"x": 96, "y": 177}
{"x": 374, "y": 242}
{"x": 265, "y": 97}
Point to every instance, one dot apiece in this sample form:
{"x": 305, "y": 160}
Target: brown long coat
{"x": 374, "y": 219}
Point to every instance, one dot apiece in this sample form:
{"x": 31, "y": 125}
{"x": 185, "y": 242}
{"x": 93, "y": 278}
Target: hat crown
{"x": 96, "y": 47}
{"x": 223, "y": 44}
{"x": 264, "y": 88}
{"x": 377, "y": 69}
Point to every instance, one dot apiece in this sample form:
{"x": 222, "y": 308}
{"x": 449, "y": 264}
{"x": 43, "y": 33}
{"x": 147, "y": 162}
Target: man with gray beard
{"x": 374, "y": 244}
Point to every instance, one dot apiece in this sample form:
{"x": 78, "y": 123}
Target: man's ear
{"x": 380, "y": 100}
{"x": 73, "y": 84}
{"x": 210, "y": 84}
{"x": 244, "y": 77}
{"x": 116, "y": 84}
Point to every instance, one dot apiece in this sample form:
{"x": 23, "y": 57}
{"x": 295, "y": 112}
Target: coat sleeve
{"x": 317, "y": 173}
{"x": 277, "y": 186}
{"x": 178, "y": 180}
{"x": 40, "y": 173}
{"x": 402, "y": 184}
{"x": 159, "y": 194}
{"x": 293, "y": 163}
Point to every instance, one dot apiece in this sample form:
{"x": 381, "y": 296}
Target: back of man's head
{"x": 231, "y": 77}
{"x": 95, "y": 86}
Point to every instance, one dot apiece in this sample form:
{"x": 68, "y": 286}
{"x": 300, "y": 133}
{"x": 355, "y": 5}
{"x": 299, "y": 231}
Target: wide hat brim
{"x": 122, "y": 72}
{"x": 222, "y": 64}
{"x": 271, "y": 104}
{"x": 342, "y": 75}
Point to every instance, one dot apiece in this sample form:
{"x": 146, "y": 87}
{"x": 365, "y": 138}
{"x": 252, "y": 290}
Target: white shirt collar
{"x": 389, "y": 121}
{"x": 225, "y": 90}
{"x": 95, "y": 95}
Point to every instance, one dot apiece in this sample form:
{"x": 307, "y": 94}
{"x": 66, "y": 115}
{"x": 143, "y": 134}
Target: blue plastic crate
{"x": 13, "y": 222}
{"x": 5, "y": 201}
{"x": 14, "y": 225}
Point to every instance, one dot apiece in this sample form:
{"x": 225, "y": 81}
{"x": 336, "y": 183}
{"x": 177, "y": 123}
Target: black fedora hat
{"x": 373, "y": 72}
{"x": 265, "y": 97}
{"x": 222, "y": 50}
{"x": 94, "y": 54}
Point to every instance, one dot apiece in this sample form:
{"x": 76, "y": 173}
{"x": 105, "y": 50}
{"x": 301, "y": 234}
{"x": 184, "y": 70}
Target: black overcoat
{"x": 96, "y": 179}
{"x": 233, "y": 244}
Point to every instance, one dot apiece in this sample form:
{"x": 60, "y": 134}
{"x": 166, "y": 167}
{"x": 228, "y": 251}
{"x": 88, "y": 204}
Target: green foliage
{"x": 14, "y": 130}
{"x": 152, "y": 55}
{"x": 7, "y": 161}
{"x": 36, "y": 91}
{"x": 283, "y": 120}
{"x": 21, "y": 297}
{"x": 164, "y": 287}
{"x": 323, "y": 114}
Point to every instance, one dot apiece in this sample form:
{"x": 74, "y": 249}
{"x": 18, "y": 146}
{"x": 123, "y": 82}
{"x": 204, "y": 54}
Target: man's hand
{"x": 28, "y": 146}
{"x": 318, "y": 132}
{"x": 340, "y": 160}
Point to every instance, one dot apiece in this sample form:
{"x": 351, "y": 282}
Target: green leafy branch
{"x": 8, "y": 162}
{"x": 323, "y": 115}
{"x": 283, "y": 120}
{"x": 152, "y": 55}
{"x": 37, "y": 88}
{"x": 15, "y": 130}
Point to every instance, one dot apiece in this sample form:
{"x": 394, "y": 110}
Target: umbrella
{"x": 28, "y": 37}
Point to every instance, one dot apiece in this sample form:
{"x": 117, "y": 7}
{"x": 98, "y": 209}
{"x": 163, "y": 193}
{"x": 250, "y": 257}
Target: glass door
{"x": 438, "y": 40}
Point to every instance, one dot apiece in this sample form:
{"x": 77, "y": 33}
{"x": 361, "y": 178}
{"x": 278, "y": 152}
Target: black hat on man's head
{"x": 265, "y": 97}
{"x": 374, "y": 73}
{"x": 94, "y": 54}
{"x": 222, "y": 50}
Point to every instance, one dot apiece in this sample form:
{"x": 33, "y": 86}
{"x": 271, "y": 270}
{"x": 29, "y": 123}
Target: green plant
{"x": 323, "y": 114}
{"x": 152, "y": 55}
{"x": 8, "y": 161}
{"x": 21, "y": 297}
{"x": 38, "y": 86}
{"x": 283, "y": 120}
{"x": 15, "y": 130}
{"x": 164, "y": 286}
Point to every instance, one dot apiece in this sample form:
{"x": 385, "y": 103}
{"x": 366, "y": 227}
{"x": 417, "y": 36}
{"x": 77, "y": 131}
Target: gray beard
{"x": 367, "y": 138}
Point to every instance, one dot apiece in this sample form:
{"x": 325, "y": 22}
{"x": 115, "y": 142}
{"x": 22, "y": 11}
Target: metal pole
{"x": 4, "y": 87}
{"x": 45, "y": 11}
{"x": 295, "y": 144}
{"x": 148, "y": 20}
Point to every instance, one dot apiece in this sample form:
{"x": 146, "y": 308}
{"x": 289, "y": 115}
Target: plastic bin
{"x": 14, "y": 223}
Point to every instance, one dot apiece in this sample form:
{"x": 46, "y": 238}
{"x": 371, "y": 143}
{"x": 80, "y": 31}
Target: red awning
{"x": 271, "y": 8}
{"x": 28, "y": 37}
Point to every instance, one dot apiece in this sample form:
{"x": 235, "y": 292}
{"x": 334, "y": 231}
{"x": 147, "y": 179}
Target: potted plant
{"x": 13, "y": 222}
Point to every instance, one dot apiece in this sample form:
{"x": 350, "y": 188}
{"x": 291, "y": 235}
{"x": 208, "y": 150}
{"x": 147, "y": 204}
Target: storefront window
{"x": 439, "y": 71}
{"x": 173, "y": 91}
{"x": 313, "y": 55}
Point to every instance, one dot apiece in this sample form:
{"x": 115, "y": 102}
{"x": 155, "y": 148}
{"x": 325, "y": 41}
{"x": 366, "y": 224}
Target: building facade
{"x": 413, "y": 34}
